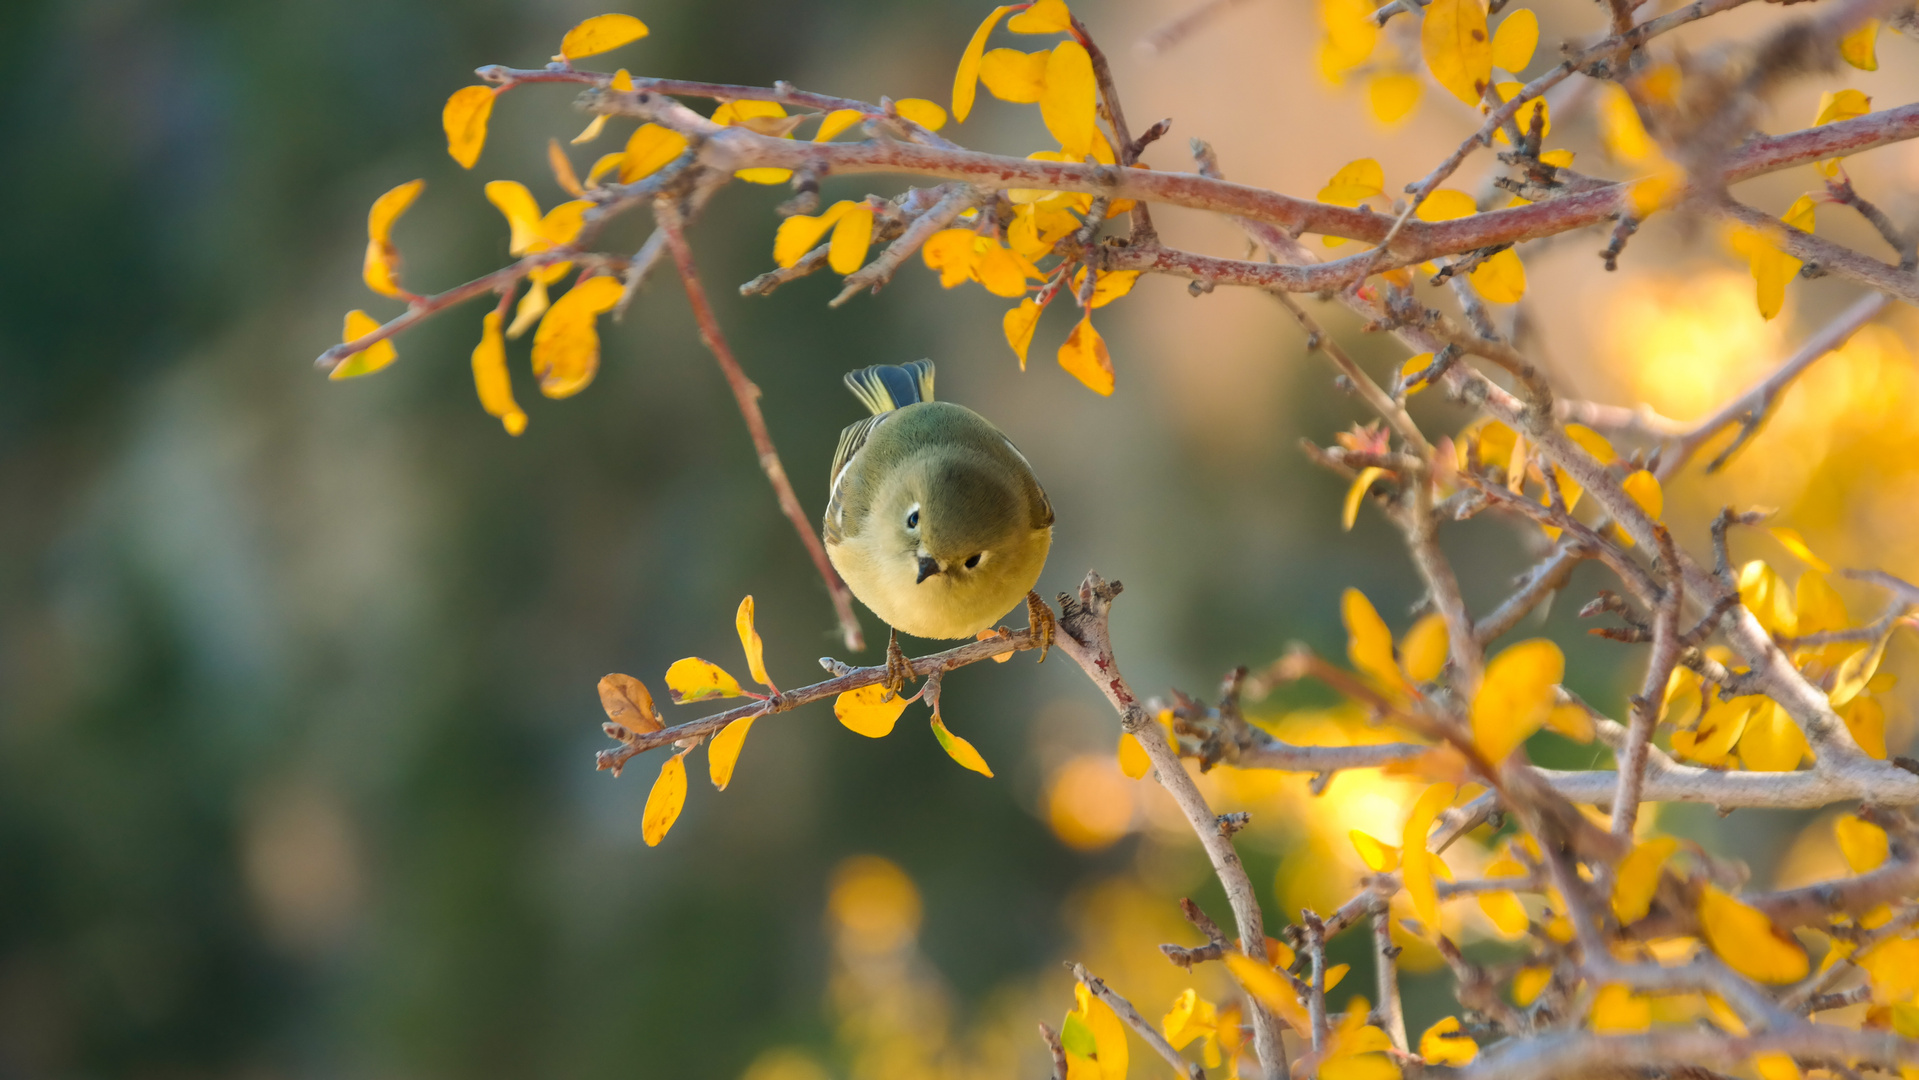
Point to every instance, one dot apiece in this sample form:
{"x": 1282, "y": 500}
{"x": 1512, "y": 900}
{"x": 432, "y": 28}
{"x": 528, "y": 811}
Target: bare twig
{"x": 1142, "y": 1027}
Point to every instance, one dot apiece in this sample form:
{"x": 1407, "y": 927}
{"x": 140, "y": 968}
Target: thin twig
{"x": 1148, "y": 1034}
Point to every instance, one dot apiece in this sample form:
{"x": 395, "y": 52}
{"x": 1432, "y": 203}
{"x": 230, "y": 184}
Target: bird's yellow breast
{"x": 944, "y": 605}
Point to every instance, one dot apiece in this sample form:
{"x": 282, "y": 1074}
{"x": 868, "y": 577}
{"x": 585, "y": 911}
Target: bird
{"x": 934, "y": 519}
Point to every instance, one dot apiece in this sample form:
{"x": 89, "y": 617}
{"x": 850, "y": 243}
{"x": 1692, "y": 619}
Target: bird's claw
{"x": 898, "y": 668}
{"x": 1040, "y": 623}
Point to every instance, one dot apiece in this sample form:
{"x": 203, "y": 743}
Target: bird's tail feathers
{"x": 885, "y": 387}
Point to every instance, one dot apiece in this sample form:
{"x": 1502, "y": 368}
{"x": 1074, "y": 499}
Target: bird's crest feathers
{"x": 885, "y": 387}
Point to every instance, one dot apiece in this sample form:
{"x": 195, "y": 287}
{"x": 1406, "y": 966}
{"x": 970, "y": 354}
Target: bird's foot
{"x": 898, "y": 668}
{"x": 1040, "y": 623}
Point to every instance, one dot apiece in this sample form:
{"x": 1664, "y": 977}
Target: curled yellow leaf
{"x": 966, "y": 78}
{"x": 1516, "y": 696}
{"x": 1416, "y": 863}
{"x": 648, "y": 150}
{"x": 925, "y": 113}
{"x": 799, "y": 233}
{"x": 1637, "y": 879}
{"x": 1457, "y": 48}
{"x": 1860, "y": 47}
{"x": 959, "y": 749}
{"x": 835, "y": 122}
{"x": 694, "y": 679}
{"x": 382, "y": 267}
{"x": 664, "y": 802}
{"x": 601, "y": 33}
{"x": 724, "y": 751}
{"x": 1748, "y": 941}
{"x": 628, "y": 703}
{"x": 852, "y": 235}
{"x": 566, "y": 347}
{"x": 604, "y": 164}
{"x": 1349, "y": 511}
{"x": 1378, "y": 855}
{"x": 1042, "y": 17}
{"x": 370, "y": 359}
{"x": 1793, "y": 542}
{"x": 867, "y": 712}
{"x": 1069, "y": 102}
{"x": 1446, "y": 1043}
{"x": 1018, "y": 325}
{"x": 750, "y": 643}
{"x": 1084, "y": 357}
{"x": 464, "y": 119}
{"x": 490, "y": 378}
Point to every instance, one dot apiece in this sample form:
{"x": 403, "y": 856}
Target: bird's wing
{"x": 1042, "y": 513}
{"x": 851, "y": 440}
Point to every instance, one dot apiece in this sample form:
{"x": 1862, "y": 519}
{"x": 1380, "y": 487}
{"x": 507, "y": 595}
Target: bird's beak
{"x": 928, "y": 567}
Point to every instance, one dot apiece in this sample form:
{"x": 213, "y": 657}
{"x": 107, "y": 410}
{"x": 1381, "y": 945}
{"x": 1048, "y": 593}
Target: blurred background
{"x": 297, "y": 710}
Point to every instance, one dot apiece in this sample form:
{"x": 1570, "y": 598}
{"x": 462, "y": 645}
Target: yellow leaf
{"x": 922, "y": 112}
{"x": 959, "y": 749}
{"x": 1108, "y": 287}
{"x": 1447, "y": 204}
{"x": 1529, "y": 983}
{"x": 1360, "y": 1067}
{"x": 694, "y": 679}
{"x": 1793, "y": 542}
{"x": 604, "y": 164}
{"x": 1044, "y": 17}
{"x": 750, "y": 643}
{"x": 560, "y": 225}
{"x": 1393, "y": 96}
{"x": 1445, "y": 1043}
{"x": 1769, "y": 264}
{"x": 562, "y": 167}
{"x": 382, "y": 269}
{"x": 1593, "y": 443}
{"x": 1841, "y": 105}
{"x": 1334, "y": 974}
{"x": 1859, "y": 48}
{"x": 1500, "y": 279}
{"x": 1516, "y": 696}
{"x": 1454, "y": 41}
{"x": 1379, "y": 857}
{"x": 464, "y": 119}
{"x": 951, "y": 253}
{"x": 370, "y": 359}
{"x": 522, "y": 213}
{"x": 628, "y": 703}
{"x": 764, "y": 176}
{"x": 1710, "y": 742}
{"x": 835, "y": 122}
{"x": 1748, "y": 941}
{"x": 1775, "y": 1067}
{"x": 1270, "y": 988}
{"x": 1862, "y": 843}
{"x": 1514, "y": 42}
{"x": 1084, "y": 357}
{"x": 799, "y": 234}
{"x": 1369, "y": 645}
{"x": 1766, "y": 596}
{"x": 1000, "y": 270}
{"x": 724, "y": 752}
{"x": 592, "y": 129}
{"x": 1771, "y": 741}
{"x": 490, "y": 378}
{"x": 1069, "y": 101}
{"x": 1643, "y": 488}
{"x": 648, "y": 150}
{"x": 532, "y": 306}
{"x": 1571, "y": 721}
{"x": 1866, "y": 719}
{"x": 1349, "y": 513}
{"x": 601, "y": 33}
{"x": 852, "y": 235}
{"x": 1012, "y": 75}
{"x": 1562, "y": 158}
{"x": 664, "y": 802}
{"x": 1354, "y": 181}
{"x": 1620, "y": 128}
{"x": 966, "y": 79}
{"x": 1423, "y": 650}
{"x": 1350, "y": 37}
{"x": 864, "y": 711}
{"x": 1412, "y": 369}
{"x": 1894, "y": 970}
{"x": 1133, "y": 761}
{"x": 566, "y": 347}
{"x": 1506, "y": 913}
{"x": 1637, "y": 880}
{"x": 1617, "y": 1010}
{"x": 1416, "y": 864}
{"x": 1019, "y": 324}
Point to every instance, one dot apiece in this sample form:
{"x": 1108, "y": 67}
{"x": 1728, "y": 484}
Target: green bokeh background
{"x": 297, "y": 705}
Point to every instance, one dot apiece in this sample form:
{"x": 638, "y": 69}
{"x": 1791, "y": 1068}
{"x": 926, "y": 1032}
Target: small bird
{"x": 935, "y": 519}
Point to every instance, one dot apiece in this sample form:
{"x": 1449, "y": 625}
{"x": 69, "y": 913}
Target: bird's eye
{"x": 913, "y": 518}
{"x": 974, "y": 561}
